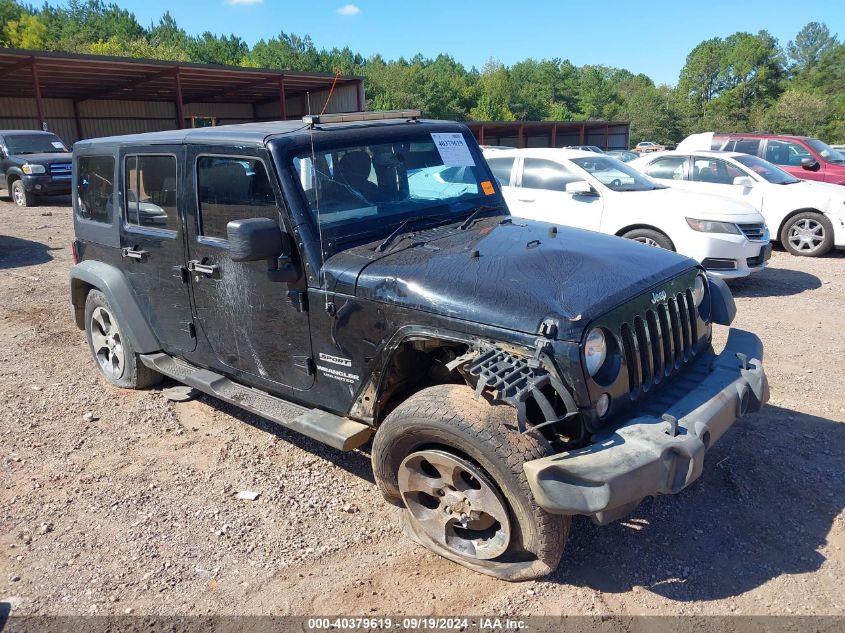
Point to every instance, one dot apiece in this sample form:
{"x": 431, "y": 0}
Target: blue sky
{"x": 648, "y": 36}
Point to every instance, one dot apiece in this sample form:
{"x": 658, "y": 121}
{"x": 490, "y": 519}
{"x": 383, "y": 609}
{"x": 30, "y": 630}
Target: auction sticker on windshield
{"x": 453, "y": 149}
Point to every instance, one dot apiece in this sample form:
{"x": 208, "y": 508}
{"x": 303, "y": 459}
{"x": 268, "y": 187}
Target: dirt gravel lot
{"x": 132, "y": 507}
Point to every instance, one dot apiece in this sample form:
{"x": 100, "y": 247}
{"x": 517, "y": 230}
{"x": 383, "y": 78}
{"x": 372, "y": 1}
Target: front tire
{"x": 21, "y": 196}
{"x": 651, "y": 237}
{"x": 112, "y": 351}
{"x": 807, "y": 234}
{"x": 455, "y": 463}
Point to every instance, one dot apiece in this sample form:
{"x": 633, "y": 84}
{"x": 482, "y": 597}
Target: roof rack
{"x": 376, "y": 115}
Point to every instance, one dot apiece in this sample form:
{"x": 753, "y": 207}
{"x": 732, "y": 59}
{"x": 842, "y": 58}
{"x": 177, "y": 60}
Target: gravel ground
{"x": 119, "y": 502}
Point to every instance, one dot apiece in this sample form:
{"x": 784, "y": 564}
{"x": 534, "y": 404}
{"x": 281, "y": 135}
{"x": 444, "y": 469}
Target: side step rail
{"x": 340, "y": 433}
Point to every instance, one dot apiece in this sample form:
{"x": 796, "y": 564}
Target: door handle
{"x": 527, "y": 199}
{"x": 198, "y": 267}
{"x": 131, "y": 253}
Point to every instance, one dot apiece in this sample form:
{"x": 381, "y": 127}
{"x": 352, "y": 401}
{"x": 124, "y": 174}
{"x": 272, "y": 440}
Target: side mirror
{"x": 254, "y": 239}
{"x": 808, "y": 162}
{"x": 579, "y": 188}
{"x": 744, "y": 181}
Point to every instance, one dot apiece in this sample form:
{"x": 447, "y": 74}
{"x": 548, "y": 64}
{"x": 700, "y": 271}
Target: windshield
{"x": 615, "y": 175}
{"x": 364, "y": 192}
{"x": 766, "y": 170}
{"x": 35, "y": 144}
{"x": 826, "y": 151}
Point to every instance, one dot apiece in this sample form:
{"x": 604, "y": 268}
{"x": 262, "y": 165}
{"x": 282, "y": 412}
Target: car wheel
{"x": 807, "y": 234}
{"x": 113, "y": 352}
{"x": 455, "y": 463}
{"x": 21, "y": 196}
{"x": 651, "y": 237}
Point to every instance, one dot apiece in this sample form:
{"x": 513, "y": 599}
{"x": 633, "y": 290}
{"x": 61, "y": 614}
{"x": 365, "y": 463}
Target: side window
{"x": 232, "y": 188}
{"x": 713, "y": 171}
{"x": 95, "y": 188}
{"x": 151, "y": 192}
{"x": 747, "y": 146}
{"x": 501, "y": 168}
{"x": 539, "y": 173}
{"x": 670, "y": 168}
{"x": 786, "y": 153}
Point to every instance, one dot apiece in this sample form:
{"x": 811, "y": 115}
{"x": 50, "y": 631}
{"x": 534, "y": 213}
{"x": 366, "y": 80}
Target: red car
{"x": 802, "y": 156}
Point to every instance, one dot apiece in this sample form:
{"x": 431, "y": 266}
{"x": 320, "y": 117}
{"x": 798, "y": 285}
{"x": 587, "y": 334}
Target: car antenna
{"x": 321, "y": 274}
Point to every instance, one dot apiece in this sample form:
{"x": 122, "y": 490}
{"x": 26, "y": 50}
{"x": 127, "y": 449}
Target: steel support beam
{"x": 360, "y": 94}
{"x": 582, "y": 135}
{"x": 283, "y": 99}
{"x": 78, "y": 121}
{"x": 606, "y": 134}
{"x": 520, "y": 136}
{"x": 481, "y": 135}
{"x": 554, "y": 136}
{"x": 39, "y": 102}
{"x": 180, "y": 105}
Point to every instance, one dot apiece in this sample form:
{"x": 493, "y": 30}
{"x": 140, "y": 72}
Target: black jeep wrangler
{"x": 33, "y": 164}
{"x": 358, "y": 275}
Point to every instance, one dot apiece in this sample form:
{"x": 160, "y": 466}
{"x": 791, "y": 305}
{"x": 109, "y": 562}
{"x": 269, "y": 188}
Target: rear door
{"x": 253, "y": 325}
{"x": 541, "y": 195}
{"x": 152, "y": 242}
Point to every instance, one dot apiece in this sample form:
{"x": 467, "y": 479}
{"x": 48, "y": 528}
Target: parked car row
{"x": 600, "y": 193}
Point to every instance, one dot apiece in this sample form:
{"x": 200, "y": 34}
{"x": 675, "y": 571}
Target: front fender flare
{"x": 112, "y": 283}
{"x": 722, "y": 306}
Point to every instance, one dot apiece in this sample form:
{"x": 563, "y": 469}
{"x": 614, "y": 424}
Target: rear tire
{"x": 442, "y": 431}
{"x": 20, "y": 195}
{"x": 112, "y": 351}
{"x": 807, "y": 234}
{"x": 651, "y": 237}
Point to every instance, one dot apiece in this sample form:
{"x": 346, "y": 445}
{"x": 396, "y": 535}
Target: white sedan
{"x": 600, "y": 193}
{"x": 808, "y": 216}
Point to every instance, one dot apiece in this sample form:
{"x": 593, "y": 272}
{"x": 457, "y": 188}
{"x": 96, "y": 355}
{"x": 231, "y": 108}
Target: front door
{"x": 788, "y": 156}
{"x": 541, "y": 195}
{"x": 716, "y": 176}
{"x": 252, "y": 324}
{"x": 152, "y": 242}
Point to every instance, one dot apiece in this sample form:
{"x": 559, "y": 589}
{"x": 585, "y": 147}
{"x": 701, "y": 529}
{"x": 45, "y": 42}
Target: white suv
{"x": 600, "y": 193}
{"x": 807, "y": 216}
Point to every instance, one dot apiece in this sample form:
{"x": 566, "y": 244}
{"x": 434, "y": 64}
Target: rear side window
{"x": 95, "y": 188}
{"x": 546, "y": 174}
{"x": 232, "y": 188}
{"x": 501, "y": 168}
{"x": 151, "y": 192}
{"x": 747, "y": 146}
{"x": 669, "y": 168}
{"x": 786, "y": 153}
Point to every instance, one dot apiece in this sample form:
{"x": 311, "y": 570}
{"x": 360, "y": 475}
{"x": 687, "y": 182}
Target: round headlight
{"x": 698, "y": 290}
{"x": 595, "y": 351}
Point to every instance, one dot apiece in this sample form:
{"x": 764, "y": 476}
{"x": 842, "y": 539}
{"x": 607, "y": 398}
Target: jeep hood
{"x": 510, "y": 275}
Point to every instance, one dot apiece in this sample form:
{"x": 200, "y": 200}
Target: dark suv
{"x": 359, "y": 275}
{"x": 33, "y": 164}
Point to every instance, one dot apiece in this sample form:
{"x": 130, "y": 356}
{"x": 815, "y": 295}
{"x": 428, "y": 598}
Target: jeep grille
{"x": 659, "y": 342}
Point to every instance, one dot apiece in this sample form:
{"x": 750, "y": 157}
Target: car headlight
{"x": 698, "y": 290}
{"x": 33, "y": 169}
{"x": 595, "y": 351}
{"x": 712, "y": 226}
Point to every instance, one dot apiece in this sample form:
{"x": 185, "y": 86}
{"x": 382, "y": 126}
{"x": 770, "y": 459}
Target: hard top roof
{"x": 21, "y": 132}
{"x": 254, "y": 134}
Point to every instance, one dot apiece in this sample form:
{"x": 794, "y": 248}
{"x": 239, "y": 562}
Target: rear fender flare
{"x": 112, "y": 283}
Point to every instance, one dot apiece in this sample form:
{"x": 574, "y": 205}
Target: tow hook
{"x": 743, "y": 360}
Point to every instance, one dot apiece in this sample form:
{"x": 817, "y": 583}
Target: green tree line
{"x": 746, "y": 81}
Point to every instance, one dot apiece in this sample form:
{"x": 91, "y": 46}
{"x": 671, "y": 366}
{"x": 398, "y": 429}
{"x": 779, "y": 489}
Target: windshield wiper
{"x": 397, "y": 232}
{"x": 472, "y": 216}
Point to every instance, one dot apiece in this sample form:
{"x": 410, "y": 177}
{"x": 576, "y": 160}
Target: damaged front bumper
{"x": 659, "y": 452}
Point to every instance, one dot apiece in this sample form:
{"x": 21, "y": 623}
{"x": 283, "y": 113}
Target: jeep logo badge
{"x": 657, "y": 297}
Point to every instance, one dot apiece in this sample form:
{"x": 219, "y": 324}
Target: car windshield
{"x": 766, "y": 170}
{"x": 34, "y": 144}
{"x": 615, "y": 175}
{"x": 826, "y": 151}
{"x": 360, "y": 193}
